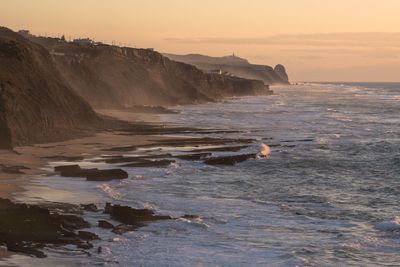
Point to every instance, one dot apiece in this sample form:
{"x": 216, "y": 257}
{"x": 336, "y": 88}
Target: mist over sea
{"x": 328, "y": 195}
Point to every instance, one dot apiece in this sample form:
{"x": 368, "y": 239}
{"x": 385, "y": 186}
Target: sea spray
{"x": 265, "y": 150}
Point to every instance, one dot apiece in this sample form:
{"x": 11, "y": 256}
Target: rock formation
{"x": 281, "y": 71}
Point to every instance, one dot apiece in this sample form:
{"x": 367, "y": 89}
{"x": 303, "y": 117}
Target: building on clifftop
{"x": 83, "y": 41}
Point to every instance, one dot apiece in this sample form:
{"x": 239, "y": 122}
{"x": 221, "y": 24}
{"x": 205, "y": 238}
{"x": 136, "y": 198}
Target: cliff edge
{"x": 36, "y": 104}
{"x": 48, "y": 86}
{"x": 112, "y": 76}
{"x": 236, "y": 66}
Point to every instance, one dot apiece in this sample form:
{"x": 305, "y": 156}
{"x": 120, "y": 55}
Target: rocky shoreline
{"x": 48, "y": 91}
{"x": 64, "y": 225}
{"x": 27, "y": 229}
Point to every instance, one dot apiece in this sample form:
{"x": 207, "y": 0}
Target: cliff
{"x": 36, "y": 104}
{"x": 236, "y": 66}
{"x": 47, "y": 86}
{"x": 111, "y": 76}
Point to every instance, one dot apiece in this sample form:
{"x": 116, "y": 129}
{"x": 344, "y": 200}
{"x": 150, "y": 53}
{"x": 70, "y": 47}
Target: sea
{"x": 327, "y": 195}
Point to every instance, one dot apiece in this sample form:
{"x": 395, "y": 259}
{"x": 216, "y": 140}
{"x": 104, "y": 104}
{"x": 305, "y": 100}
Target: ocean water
{"x": 328, "y": 195}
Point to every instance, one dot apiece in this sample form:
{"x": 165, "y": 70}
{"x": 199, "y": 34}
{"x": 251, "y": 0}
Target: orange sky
{"x": 326, "y": 40}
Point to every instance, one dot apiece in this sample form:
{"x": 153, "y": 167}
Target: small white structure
{"x": 83, "y": 41}
{"x": 219, "y": 72}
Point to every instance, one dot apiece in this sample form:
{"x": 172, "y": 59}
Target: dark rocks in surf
{"x": 68, "y": 168}
{"x": 197, "y": 156}
{"x": 229, "y": 160}
{"x": 28, "y": 228}
{"x": 70, "y": 221}
{"x": 89, "y": 207}
{"x": 74, "y": 171}
{"x": 104, "y": 224}
{"x": 144, "y": 161}
{"x": 91, "y": 174}
{"x": 123, "y": 228}
{"x": 107, "y": 175}
{"x": 150, "y": 163}
{"x": 221, "y": 149}
{"x": 85, "y": 235}
{"x": 132, "y": 216}
{"x": 79, "y": 173}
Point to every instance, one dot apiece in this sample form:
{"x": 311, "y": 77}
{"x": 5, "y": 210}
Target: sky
{"x": 317, "y": 40}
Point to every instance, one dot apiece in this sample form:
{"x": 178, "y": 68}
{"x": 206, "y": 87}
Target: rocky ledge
{"x": 28, "y": 229}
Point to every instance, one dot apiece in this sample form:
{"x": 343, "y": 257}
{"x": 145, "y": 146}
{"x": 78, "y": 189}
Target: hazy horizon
{"x": 317, "y": 40}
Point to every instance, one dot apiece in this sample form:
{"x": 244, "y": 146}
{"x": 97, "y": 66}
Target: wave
{"x": 111, "y": 192}
{"x": 392, "y": 225}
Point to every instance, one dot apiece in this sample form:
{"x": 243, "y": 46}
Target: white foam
{"x": 265, "y": 150}
{"x": 111, "y": 192}
{"x": 195, "y": 222}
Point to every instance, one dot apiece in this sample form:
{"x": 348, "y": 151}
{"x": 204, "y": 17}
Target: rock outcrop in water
{"x": 36, "y": 104}
{"x": 281, "y": 71}
{"x": 91, "y": 174}
{"x": 28, "y": 228}
{"x": 236, "y": 66}
{"x": 111, "y": 76}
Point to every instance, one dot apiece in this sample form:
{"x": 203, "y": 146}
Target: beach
{"x": 21, "y": 164}
{"x": 33, "y": 158}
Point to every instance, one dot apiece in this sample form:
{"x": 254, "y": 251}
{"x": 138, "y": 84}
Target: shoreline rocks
{"x": 29, "y": 228}
{"x": 229, "y": 160}
{"x": 91, "y": 174}
{"x": 105, "y": 224}
{"x": 107, "y": 175}
{"x": 132, "y": 216}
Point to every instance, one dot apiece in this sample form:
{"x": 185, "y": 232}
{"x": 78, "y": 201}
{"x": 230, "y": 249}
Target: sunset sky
{"x": 317, "y": 40}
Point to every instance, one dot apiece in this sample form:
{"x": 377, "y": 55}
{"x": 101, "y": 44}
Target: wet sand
{"x": 17, "y": 167}
{"x": 35, "y": 157}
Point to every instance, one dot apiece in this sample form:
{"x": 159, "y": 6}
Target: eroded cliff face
{"x": 110, "y": 76}
{"x": 44, "y": 81}
{"x": 236, "y": 66}
{"x": 36, "y": 104}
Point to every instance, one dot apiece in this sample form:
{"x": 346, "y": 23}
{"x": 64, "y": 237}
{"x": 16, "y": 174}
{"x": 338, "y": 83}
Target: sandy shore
{"x": 34, "y": 158}
{"x": 17, "y": 167}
